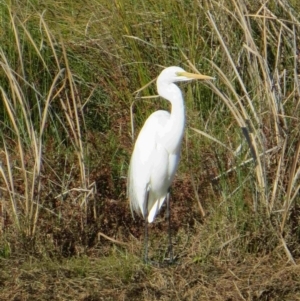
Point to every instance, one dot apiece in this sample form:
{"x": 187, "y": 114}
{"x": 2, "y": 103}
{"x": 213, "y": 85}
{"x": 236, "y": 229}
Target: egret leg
{"x": 146, "y": 227}
{"x": 170, "y": 249}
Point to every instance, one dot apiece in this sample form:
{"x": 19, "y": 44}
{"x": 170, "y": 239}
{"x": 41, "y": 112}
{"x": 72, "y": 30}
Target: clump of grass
{"x": 40, "y": 106}
{"x": 257, "y": 98}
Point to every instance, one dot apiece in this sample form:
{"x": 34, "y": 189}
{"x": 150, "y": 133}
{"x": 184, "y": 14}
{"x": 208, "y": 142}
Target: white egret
{"x": 156, "y": 152}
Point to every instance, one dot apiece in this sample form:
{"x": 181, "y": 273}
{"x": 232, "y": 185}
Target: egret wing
{"x": 146, "y": 163}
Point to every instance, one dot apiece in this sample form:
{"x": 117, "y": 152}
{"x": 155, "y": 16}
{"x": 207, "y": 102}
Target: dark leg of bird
{"x": 146, "y": 228}
{"x": 169, "y": 224}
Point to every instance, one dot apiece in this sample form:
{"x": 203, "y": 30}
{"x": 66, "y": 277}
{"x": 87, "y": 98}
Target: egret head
{"x": 177, "y": 74}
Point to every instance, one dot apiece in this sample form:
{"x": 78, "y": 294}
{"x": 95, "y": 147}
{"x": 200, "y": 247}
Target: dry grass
{"x": 89, "y": 278}
{"x": 264, "y": 140}
{"x": 25, "y": 134}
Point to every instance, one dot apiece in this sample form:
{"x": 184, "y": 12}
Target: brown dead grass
{"x": 248, "y": 278}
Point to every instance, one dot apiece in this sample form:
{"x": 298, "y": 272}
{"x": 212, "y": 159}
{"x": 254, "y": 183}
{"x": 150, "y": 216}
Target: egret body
{"x": 156, "y": 153}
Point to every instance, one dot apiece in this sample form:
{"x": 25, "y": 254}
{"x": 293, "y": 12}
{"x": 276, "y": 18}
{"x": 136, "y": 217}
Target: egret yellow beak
{"x": 194, "y": 75}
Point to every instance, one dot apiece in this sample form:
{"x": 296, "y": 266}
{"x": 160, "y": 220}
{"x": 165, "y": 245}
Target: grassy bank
{"x": 69, "y": 71}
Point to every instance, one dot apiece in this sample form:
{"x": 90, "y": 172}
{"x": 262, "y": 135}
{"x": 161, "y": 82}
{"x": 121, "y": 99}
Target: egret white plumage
{"x": 156, "y": 153}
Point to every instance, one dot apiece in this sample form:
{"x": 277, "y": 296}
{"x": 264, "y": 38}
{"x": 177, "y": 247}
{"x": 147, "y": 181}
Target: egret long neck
{"x": 176, "y": 124}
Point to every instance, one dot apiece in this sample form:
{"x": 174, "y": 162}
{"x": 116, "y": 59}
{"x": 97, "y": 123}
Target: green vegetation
{"x": 68, "y": 75}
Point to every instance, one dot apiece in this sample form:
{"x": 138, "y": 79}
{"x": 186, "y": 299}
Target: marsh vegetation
{"x": 69, "y": 72}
